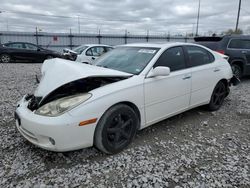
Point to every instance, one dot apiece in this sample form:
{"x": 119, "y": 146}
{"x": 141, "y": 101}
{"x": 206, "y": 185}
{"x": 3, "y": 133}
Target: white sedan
{"x": 131, "y": 87}
{"x": 87, "y": 53}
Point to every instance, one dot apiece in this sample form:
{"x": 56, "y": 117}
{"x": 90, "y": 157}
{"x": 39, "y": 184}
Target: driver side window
{"x": 95, "y": 51}
{"x": 172, "y": 58}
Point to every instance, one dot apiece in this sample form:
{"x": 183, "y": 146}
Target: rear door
{"x": 205, "y": 74}
{"x": 34, "y": 53}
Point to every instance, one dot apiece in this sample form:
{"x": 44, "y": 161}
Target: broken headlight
{"x": 59, "y": 106}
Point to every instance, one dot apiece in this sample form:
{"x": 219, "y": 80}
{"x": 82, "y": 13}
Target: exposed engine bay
{"x": 76, "y": 87}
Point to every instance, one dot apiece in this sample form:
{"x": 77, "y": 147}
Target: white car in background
{"x": 87, "y": 53}
{"x": 133, "y": 86}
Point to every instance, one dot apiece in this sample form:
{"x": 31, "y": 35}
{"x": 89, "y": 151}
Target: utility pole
{"x": 198, "y": 18}
{"x": 238, "y": 17}
{"x": 36, "y": 36}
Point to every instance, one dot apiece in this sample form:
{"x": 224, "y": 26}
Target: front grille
{"x": 33, "y": 102}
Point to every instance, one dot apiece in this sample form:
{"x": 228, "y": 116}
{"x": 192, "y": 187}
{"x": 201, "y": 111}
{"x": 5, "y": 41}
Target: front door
{"x": 168, "y": 95}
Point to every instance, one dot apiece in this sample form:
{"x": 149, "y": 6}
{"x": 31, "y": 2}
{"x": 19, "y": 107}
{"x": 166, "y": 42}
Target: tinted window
{"x": 15, "y": 45}
{"x": 172, "y": 58}
{"x": 31, "y": 47}
{"x": 198, "y": 56}
{"x": 239, "y": 44}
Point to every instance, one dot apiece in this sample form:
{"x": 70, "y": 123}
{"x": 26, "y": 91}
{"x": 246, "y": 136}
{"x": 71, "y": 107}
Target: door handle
{"x": 186, "y": 77}
{"x": 216, "y": 70}
{"x": 244, "y": 52}
{"x": 93, "y": 58}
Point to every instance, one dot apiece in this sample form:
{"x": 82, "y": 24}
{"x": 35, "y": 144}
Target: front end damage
{"x": 80, "y": 86}
{"x": 64, "y": 82}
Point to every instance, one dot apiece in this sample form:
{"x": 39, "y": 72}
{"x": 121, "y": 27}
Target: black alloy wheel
{"x": 116, "y": 129}
{"x": 218, "y": 96}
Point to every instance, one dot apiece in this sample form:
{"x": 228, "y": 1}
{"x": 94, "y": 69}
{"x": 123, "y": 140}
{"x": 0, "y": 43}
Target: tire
{"x": 116, "y": 129}
{"x": 5, "y": 58}
{"x": 237, "y": 70}
{"x": 218, "y": 96}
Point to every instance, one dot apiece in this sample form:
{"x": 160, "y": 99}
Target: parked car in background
{"x": 25, "y": 52}
{"x": 237, "y": 47}
{"x": 86, "y": 53}
{"x": 127, "y": 89}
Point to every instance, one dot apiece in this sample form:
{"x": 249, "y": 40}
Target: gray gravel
{"x": 195, "y": 149}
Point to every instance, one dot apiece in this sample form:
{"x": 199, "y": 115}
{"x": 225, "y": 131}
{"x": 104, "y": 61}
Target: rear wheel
{"x": 116, "y": 129}
{"x": 218, "y": 96}
{"x": 5, "y": 58}
{"x": 237, "y": 70}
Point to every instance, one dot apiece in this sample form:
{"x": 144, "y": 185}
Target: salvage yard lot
{"x": 194, "y": 149}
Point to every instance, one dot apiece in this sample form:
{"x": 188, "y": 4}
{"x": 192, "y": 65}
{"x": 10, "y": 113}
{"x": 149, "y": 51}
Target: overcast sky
{"x": 116, "y": 16}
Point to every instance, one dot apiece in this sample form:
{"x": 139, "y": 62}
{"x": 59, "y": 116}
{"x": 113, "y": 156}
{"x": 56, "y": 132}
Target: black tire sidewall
{"x": 100, "y": 137}
{"x": 211, "y": 105}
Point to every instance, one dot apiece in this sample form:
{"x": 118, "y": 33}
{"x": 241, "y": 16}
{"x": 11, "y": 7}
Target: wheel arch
{"x": 239, "y": 62}
{"x": 225, "y": 82}
{"x": 131, "y": 105}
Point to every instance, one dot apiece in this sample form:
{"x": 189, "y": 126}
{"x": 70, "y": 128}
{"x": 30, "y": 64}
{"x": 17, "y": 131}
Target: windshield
{"x": 80, "y": 49}
{"x": 127, "y": 59}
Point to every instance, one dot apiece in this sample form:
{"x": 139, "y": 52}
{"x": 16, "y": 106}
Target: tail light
{"x": 221, "y": 51}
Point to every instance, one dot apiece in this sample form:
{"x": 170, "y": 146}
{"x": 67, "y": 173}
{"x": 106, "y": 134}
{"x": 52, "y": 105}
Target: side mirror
{"x": 38, "y": 49}
{"x": 159, "y": 71}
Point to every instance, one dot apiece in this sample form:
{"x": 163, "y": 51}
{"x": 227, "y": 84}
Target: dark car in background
{"x": 237, "y": 47}
{"x": 25, "y": 52}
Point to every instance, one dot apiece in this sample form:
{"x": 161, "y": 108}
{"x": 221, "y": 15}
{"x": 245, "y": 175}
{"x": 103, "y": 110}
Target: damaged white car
{"x": 131, "y": 87}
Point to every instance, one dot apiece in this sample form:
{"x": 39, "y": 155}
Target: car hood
{"x": 57, "y": 72}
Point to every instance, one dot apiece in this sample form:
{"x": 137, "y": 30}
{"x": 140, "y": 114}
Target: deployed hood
{"x": 57, "y": 72}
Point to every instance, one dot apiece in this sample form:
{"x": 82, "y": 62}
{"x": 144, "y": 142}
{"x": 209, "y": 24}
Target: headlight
{"x": 59, "y": 106}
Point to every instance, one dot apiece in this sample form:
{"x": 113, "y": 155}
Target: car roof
{"x": 91, "y": 45}
{"x": 19, "y": 43}
{"x": 158, "y": 45}
{"x": 219, "y": 38}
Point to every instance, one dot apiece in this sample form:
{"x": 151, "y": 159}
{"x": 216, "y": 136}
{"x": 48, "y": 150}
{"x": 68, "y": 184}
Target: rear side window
{"x": 239, "y": 44}
{"x": 172, "y": 58}
{"x": 199, "y": 56}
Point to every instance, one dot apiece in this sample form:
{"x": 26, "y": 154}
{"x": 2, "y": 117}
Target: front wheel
{"x": 5, "y": 58}
{"x": 116, "y": 129}
{"x": 218, "y": 96}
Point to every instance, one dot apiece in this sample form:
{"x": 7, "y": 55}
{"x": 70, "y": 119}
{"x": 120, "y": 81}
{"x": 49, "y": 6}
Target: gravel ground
{"x": 194, "y": 149}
